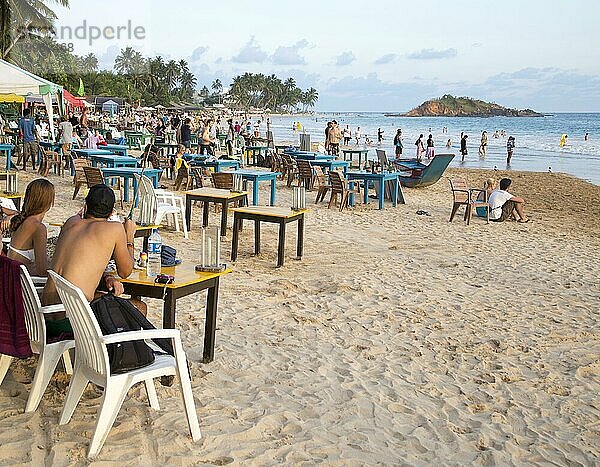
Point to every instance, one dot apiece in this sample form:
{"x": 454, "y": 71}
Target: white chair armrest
{"x": 140, "y": 335}
{"x": 39, "y": 280}
{"x": 52, "y": 308}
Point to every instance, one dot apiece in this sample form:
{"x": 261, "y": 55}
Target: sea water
{"x": 537, "y": 138}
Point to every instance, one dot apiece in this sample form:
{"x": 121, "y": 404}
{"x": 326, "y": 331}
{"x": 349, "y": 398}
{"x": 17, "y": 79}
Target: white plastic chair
{"x": 155, "y": 204}
{"x": 49, "y": 354}
{"x": 91, "y": 364}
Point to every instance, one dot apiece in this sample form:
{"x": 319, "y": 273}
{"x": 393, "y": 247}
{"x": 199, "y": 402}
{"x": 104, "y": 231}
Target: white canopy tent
{"x": 23, "y": 83}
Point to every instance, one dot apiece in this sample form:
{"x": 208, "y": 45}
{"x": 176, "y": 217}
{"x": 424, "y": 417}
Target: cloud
{"x": 345, "y": 59}
{"x": 198, "y": 53}
{"x": 250, "y": 53}
{"x": 384, "y": 59}
{"x": 290, "y": 55}
{"x": 476, "y": 44}
{"x": 106, "y": 61}
{"x": 432, "y": 54}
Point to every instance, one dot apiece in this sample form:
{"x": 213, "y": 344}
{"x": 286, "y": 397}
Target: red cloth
{"x": 14, "y": 340}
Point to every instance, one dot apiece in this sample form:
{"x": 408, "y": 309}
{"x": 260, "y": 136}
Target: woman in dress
{"x": 430, "y": 151}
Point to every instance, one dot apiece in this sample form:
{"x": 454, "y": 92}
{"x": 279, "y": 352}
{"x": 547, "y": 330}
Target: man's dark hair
{"x": 100, "y": 201}
{"x": 26, "y": 112}
{"x": 505, "y": 183}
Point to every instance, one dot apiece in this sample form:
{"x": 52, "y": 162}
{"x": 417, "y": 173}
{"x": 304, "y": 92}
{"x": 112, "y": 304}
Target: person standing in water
{"x": 398, "y": 143}
{"x": 510, "y": 145}
{"x": 483, "y": 145}
{"x": 430, "y": 150}
{"x": 420, "y": 147}
{"x": 463, "y": 146}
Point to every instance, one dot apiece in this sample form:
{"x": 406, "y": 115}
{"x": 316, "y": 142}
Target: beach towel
{"x": 14, "y": 340}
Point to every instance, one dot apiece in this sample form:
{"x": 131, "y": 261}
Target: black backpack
{"x": 116, "y": 315}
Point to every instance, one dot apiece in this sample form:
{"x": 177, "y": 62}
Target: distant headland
{"x": 450, "y": 106}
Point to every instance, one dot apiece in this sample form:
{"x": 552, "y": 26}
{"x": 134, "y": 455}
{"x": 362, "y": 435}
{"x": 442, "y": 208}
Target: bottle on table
{"x": 154, "y": 250}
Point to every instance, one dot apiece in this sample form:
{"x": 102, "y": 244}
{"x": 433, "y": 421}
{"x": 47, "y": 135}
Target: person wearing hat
{"x": 85, "y": 246}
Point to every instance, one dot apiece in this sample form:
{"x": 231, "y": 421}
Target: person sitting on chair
{"x": 504, "y": 205}
{"x": 85, "y": 246}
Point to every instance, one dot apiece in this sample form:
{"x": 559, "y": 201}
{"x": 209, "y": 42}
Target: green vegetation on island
{"x": 450, "y": 106}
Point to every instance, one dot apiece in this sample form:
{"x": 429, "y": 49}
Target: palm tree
{"x": 89, "y": 62}
{"x": 172, "y": 71}
{"x": 20, "y": 18}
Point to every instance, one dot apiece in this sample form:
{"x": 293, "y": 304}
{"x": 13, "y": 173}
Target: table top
{"x": 355, "y": 151}
{"x": 364, "y": 175}
{"x": 7, "y": 146}
{"x": 223, "y": 162}
{"x": 184, "y": 274}
{"x": 256, "y": 147}
{"x": 11, "y": 195}
{"x": 166, "y": 145}
{"x": 214, "y": 193}
{"x": 256, "y": 173}
{"x": 272, "y": 211}
{"x": 330, "y": 162}
{"x": 122, "y": 147}
{"x": 94, "y": 152}
{"x": 130, "y": 170}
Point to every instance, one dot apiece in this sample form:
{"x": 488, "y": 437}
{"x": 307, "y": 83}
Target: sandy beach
{"x": 397, "y": 339}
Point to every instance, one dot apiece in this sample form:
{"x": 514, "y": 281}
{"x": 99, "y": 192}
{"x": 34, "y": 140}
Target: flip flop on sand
{"x": 420, "y": 212}
{"x": 521, "y": 221}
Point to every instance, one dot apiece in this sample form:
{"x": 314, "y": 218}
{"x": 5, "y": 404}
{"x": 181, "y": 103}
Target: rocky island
{"x": 450, "y": 106}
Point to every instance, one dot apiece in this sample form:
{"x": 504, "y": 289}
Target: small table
{"x": 212, "y": 195}
{"x": 167, "y": 148}
{"x": 351, "y": 152}
{"x": 113, "y": 161}
{"x": 129, "y": 173}
{"x": 256, "y": 176}
{"x": 255, "y": 151}
{"x": 311, "y": 156}
{"x": 272, "y": 214}
{"x": 120, "y": 149}
{"x": 8, "y": 149}
{"x": 187, "y": 281}
{"x": 332, "y": 165}
{"x": 50, "y": 146}
{"x": 218, "y": 164}
{"x": 16, "y": 197}
{"x": 380, "y": 178}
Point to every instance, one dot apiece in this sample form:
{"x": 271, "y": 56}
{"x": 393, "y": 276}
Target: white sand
{"x": 397, "y": 339}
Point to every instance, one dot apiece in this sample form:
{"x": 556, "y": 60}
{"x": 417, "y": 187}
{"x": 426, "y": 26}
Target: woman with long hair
{"x": 29, "y": 234}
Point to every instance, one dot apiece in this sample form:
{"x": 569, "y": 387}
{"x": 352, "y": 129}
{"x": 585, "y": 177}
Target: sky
{"x": 378, "y": 55}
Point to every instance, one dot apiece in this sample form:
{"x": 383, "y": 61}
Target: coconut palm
{"x": 22, "y": 18}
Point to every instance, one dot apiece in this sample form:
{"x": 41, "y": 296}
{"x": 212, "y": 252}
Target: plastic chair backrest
{"x": 337, "y": 182}
{"x": 34, "y": 321}
{"x": 90, "y": 350}
{"x": 222, "y": 180}
{"x": 147, "y": 200}
{"x": 93, "y": 176}
{"x": 304, "y": 169}
{"x": 460, "y": 190}
{"x": 320, "y": 176}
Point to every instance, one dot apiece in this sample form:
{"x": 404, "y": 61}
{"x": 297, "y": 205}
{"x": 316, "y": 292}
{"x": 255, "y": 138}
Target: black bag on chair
{"x": 116, "y": 315}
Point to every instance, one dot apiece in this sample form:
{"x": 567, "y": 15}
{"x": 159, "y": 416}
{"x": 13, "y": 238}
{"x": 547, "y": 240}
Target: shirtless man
{"x": 84, "y": 248}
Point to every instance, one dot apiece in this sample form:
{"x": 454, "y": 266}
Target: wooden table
{"x": 331, "y": 165}
{"x": 187, "y": 281}
{"x": 212, "y": 195}
{"x": 254, "y": 151}
{"x": 16, "y": 197}
{"x": 271, "y": 214}
{"x": 8, "y": 149}
{"x": 360, "y": 152}
{"x": 381, "y": 178}
{"x": 120, "y": 149}
{"x": 256, "y": 176}
{"x": 129, "y": 173}
{"x": 217, "y": 165}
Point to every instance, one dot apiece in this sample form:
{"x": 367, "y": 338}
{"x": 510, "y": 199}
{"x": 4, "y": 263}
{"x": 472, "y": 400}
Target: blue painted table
{"x": 50, "y": 146}
{"x": 8, "y": 149}
{"x": 254, "y": 151}
{"x": 256, "y": 176}
{"x": 218, "y": 164}
{"x": 380, "y": 178}
{"x": 312, "y": 156}
{"x": 113, "y": 161}
{"x": 360, "y": 152}
{"x": 332, "y": 165}
{"x": 120, "y": 149}
{"x": 91, "y": 152}
{"x": 129, "y": 173}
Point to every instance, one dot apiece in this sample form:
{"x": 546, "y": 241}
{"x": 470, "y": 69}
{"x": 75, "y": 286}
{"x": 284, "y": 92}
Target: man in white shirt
{"x": 504, "y": 204}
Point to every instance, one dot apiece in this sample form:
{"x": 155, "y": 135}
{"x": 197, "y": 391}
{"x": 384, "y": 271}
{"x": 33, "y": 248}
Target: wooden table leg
{"x": 169, "y": 310}
{"x": 210, "y": 326}
{"x": 235, "y": 236}
{"x": 224, "y": 205}
{"x": 188, "y": 212}
{"x": 256, "y": 237}
{"x": 300, "y": 240}
{"x": 281, "y": 244}
{"x": 205, "y": 206}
